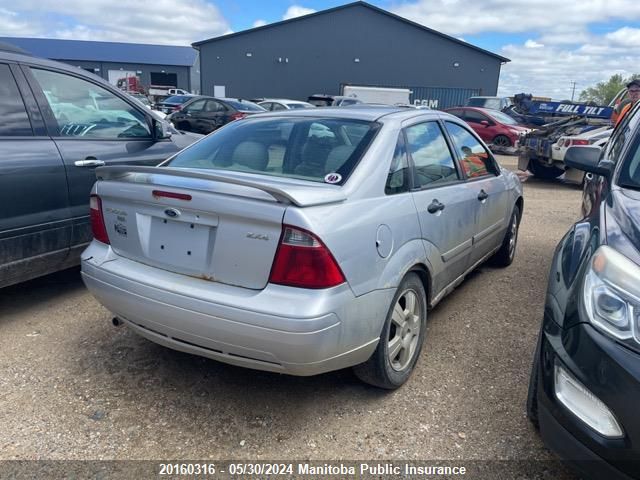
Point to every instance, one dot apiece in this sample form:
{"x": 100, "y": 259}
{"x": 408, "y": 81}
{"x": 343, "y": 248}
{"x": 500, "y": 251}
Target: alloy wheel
{"x": 404, "y": 330}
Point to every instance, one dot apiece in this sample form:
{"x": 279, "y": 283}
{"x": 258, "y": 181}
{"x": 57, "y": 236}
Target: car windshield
{"x": 315, "y": 149}
{"x": 245, "y": 106}
{"x": 503, "y": 118}
{"x": 178, "y": 99}
{"x": 294, "y": 106}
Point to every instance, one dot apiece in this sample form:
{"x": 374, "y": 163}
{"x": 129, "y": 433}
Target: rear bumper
{"x": 279, "y": 329}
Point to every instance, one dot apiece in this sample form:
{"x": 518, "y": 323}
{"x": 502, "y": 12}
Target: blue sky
{"x": 551, "y": 43}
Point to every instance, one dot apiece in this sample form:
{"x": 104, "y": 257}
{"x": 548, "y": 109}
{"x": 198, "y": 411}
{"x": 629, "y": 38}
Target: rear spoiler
{"x": 307, "y": 196}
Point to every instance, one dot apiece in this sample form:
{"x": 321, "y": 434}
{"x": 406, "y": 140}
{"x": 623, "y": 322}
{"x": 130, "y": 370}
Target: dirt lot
{"x": 72, "y": 386}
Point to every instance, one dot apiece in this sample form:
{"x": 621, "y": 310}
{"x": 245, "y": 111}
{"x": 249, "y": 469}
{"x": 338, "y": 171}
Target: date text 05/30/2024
{"x": 308, "y": 469}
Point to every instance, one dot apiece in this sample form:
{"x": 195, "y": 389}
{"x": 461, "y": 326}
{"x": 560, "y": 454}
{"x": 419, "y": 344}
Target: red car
{"x": 492, "y": 126}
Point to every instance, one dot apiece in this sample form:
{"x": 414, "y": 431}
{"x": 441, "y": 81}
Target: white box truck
{"x": 384, "y": 95}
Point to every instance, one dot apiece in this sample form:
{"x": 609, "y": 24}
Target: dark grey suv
{"x": 57, "y": 123}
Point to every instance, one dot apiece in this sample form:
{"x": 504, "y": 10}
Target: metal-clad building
{"x": 152, "y": 64}
{"x": 357, "y": 44}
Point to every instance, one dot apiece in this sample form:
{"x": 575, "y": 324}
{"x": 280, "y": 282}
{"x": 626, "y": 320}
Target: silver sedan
{"x": 302, "y": 241}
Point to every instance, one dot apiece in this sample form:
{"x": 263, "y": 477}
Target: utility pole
{"x": 573, "y": 92}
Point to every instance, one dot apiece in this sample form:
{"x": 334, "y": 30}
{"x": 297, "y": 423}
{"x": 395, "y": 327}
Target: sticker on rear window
{"x": 332, "y": 178}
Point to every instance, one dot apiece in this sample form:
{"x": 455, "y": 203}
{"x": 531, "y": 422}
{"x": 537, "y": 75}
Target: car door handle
{"x": 89, "y": 162}
{"x": 483, "y": 195}
{"x": 435, "y": 206}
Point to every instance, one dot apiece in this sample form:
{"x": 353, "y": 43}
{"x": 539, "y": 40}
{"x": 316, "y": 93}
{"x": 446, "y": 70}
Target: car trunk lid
{"x": 219, "y": 227}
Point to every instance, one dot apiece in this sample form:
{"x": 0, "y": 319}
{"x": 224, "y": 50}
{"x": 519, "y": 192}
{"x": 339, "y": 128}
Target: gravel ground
{"x": 74, "y": 387}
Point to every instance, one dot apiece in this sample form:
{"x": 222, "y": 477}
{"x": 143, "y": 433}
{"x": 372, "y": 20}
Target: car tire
{"x": 501, "y": 141}
{"x": 532, "y": 393}
{"x": 545, "y": 173}
{"x": 390, "y": 369}
{"x": 504, "y": 257}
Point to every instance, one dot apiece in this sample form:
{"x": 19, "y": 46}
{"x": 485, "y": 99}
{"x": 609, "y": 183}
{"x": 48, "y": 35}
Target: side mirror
{"x": 161, "y": 130}
{"x": 587, "y": 159}
{"x": 484, "y": 123}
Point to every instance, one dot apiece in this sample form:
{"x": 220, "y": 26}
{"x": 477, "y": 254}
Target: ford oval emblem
{"x": 171, "y": 212}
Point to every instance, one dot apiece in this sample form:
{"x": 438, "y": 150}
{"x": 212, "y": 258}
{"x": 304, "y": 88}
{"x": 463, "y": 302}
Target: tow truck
{"x": 553, "y": 120}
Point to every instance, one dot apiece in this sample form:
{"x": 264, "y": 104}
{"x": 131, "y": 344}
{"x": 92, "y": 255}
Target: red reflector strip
{"x": 179, "y": 196}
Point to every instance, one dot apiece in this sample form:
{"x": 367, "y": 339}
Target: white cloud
{"x": 175, "y": 22}
{"x": 11, "y": 25}
{"x": 625, "y": 37}
{"x": 533, "y": 44}
{"x": 550, "y": 71}
{"x": 259, "y": 23}
{"x": 465, "y": 17}
{"x": 297, "y": 11}
{"x": 561, "y": 49}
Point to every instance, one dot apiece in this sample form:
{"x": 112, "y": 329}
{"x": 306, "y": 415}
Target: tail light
{"x": 176, "y": 108}
{"x": 97, "y": 220}
{"x": 302, "y": 260}
{"x": 567, "y": 142}
{"x": 579, "y": 142}
{"x": 238, "y": 116}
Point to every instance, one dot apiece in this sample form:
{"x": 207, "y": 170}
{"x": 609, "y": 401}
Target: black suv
{"x": 584, "y": 392}
{"x": 57, "y": 124}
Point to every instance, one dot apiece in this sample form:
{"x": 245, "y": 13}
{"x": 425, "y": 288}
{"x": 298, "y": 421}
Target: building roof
{"x": 56, "y": 49}
{"x": 349, "y": 5}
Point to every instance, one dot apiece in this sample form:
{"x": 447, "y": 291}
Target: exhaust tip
{"x": 116, "y": 321}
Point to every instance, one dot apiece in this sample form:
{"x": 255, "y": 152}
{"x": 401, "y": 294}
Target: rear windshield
{"x": 177, "y": 99}
{"x": 320, "y": 102}
{"x": 243, "y": 106}
{"x": 314, "y": 149}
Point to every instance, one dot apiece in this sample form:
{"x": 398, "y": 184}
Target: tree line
{"x": 603, "y": 92}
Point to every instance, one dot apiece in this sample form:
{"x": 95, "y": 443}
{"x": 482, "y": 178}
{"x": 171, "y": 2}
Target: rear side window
{"x": 14, "y": 121}
{"x": 432, "y": 161}
{"x": 83, "y": 109}
{"x": 475, "y": 117}
{"x": 315, "y": 149}
{"x": 196, "y": 106}
{"x": 398, "y": 176}
{"x": 214, "y": 107}
{"x": 474, "y": 158}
